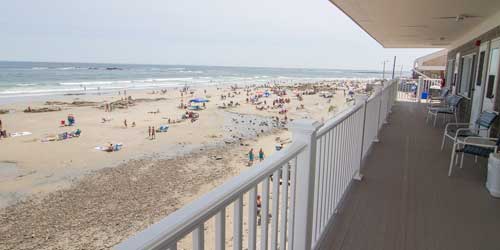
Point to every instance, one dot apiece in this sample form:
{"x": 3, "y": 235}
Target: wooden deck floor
{"x": 407, "y": 201}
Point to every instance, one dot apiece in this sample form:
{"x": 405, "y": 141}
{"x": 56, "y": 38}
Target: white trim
{"x": 430, "y": 68}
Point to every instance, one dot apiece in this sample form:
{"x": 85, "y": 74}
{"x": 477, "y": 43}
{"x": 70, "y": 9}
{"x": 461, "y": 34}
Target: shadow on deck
{"x": 406, "y": 199}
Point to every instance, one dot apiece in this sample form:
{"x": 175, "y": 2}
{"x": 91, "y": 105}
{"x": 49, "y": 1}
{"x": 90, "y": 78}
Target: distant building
{"x": 431, "y": 66}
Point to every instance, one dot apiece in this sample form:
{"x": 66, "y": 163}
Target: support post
{"x": 361, "y": 99}
{"x": 420, "y": 86}
{"x": 304, "y": 131}
{"x": 393, "y": 67}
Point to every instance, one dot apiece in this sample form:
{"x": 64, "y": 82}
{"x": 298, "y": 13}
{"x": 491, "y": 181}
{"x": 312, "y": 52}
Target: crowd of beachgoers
{"x": 88, "y": 171}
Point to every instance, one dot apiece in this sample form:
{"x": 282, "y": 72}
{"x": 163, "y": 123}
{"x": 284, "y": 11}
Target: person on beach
{"x": 110, "y": 148}
{"x": 261, "y": 155}
{"x": 250, "y": 157}
{"x": 153, "y": 133}
{"x": 149, "y": 132}
{"x": 125, "y": 123}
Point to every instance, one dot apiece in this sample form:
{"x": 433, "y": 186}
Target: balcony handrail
{"x": 183, "y": 221}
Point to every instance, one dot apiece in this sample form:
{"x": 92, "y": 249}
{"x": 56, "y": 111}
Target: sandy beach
{"x": 66, "y": 194}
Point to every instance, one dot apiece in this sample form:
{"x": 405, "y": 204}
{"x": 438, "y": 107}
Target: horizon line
{"x": 196, "y": 65}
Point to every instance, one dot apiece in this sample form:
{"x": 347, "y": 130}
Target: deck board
{"x": 406, "y": 199}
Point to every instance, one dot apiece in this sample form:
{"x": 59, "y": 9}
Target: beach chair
{"x": 477, "y": 146}
{"x": 77, "y": 133}
{"x": 455, "y": 131}
{"x": 71, "y": 120}
{"x": 450, "y": 108}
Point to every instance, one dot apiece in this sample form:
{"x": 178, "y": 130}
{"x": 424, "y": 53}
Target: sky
{"x": 265, "y": 33}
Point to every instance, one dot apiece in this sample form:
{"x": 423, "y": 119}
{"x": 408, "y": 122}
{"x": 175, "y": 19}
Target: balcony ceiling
{"x": 417, "y": 23}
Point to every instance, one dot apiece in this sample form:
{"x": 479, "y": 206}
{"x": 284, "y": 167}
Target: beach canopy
{"x": 198, "y": 100}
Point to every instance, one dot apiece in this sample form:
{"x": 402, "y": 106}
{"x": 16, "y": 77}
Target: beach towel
{"x": 116, "y": 147}
{"x": 16, "y": 134}
{"x": 50, "y": 138}
{"x": 162, "y": 128}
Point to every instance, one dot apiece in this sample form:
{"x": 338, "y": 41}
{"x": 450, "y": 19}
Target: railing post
{"x": 304, "y": 131}
{"x": 420, "y": 86}
{"x": 361, "y": 99}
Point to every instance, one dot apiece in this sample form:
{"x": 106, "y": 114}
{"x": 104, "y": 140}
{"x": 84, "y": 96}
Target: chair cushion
{"x": 476, "y": 150}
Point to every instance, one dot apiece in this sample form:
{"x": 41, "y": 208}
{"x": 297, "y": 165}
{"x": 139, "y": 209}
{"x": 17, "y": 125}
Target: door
{"x": 492, "y": 76}
{"x": 478, "y": 87}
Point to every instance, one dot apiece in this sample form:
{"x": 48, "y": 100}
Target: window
{"x": 449, "y": 73}
{"x": 466, "y": 65}
{"x": 481, "y": 66}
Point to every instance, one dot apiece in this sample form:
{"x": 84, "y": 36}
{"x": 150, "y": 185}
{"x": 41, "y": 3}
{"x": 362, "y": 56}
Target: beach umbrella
{"x": 198, "y": 100}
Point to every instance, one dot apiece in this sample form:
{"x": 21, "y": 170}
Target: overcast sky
{"x": 274, "y": 33}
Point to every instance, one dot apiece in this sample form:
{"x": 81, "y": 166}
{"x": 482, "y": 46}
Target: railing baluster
{"x": 198, "y": 238}
{"x": 293, "y": 176}
{"x": 317, "y": 186}
{"x": 348, "y": 151}
{"x": 238, "y": 223}
{"x": 264, "y": 215}
{"x": 284, "y": 207}
{"x": 331, "y": 164}
{"x": 220, "y": 230}
{"x": 337, "y": 165}
{"x": 326, "y": 171}
{"x": 328, "y": 176}
{"x": 321, "y": 182}
{"x": 252, "y": 219}
{"x": 275, "y": 211}
{"x": 342, "y": 161}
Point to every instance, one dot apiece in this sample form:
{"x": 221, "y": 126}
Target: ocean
{"x": 25, "y": 79}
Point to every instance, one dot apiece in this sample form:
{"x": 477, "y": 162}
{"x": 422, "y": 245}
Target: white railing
{"x": 425, "y": 86}
{"x": 318, "y": 167}
{"x": 411, "y": 90}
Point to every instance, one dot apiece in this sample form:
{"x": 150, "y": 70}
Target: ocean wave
{"x": 85, "y": 83}
{"x": 26, "y": 84}
{"x": 39, "y": 68}
{"x": 140, "y": 81}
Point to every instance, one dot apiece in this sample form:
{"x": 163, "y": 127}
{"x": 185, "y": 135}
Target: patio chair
{"x": 450, "y": 108}
{"x": 477, "y": 146}
{"x": 441, "y": 98}
{"x": 454, "y": 131}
